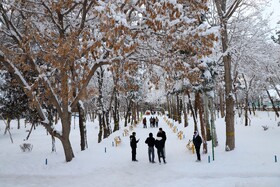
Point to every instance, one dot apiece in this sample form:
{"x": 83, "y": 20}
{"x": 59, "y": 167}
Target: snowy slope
{"x": 251, "y": 164}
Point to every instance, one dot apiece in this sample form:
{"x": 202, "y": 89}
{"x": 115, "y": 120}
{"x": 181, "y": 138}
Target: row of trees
{"x": 53, "y": 48}
{"x": 103, "y": 57}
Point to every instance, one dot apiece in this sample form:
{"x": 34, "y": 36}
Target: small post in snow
{"x": 112, "y": 144}
{"x": 208, "y": 158}
{"x": 46, "y": 162}
{"x": 275, "y": 158}
{"x": 105, "y": 149}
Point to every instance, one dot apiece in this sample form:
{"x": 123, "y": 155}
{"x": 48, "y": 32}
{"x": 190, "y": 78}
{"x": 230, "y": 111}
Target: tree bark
{"x": 185, "y": 112}
{"x": 68, "y": 151}
{"x": 202, "y": 120}
{"x": 100, "y": 128}
{"x": 177, "y": 107}
{"x": 30, "y": 131}
{"x": 275, "y": 87}
{"x": 213, "y": 127}
{"x": 272, "y": 102}
{"x": 224, "y": 14}
{"x": 8, "y": 124}
{"x": 82, "y": 126}
{"x": 106, "y": 124}
{"x": 168, "y": 105}
{"x": 18, "y": 120}
{"x": 193, "y": 114}
{"x": 230, "y": 131}
{"x": 174, "y": 108}
{"x": 116, "y": 116}
{"x": 222, "y": 103}
{"x": 127, "y": 112}
{"x": 206, "y": 117}
{"x": 66, "y": 118}
{"x": 53, "y": 144}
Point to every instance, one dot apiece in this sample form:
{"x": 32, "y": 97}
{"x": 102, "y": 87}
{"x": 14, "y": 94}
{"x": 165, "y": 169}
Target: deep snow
{"x": 251, "y": 164}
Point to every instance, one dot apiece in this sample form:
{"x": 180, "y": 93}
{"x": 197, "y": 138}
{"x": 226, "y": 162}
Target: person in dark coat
{"x": 151, "y": 122}
{"x": 197, "y": 141}
{"x": 159, "y": 143}
{"x": 144, "y": 122}
{"x": 151, "y": 143}
{"x": 162, "y": 134}
{"x": 133, "y": 145}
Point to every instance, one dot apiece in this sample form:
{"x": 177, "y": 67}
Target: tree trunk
{"x": 100, "y": 128}
{"x": 8, "y": 124}
{"x": 206, "y": 117}
{"x": 106, "y": 124}
{"x": 7, "y": 129}
{"x": 185, "y": 112}
{"x": 212, "y": 120}
{"x": 133, "y": 114}
{"x": 127, "y": 113}
{"x": 102, "y": 112}
{"x": 193, "y": 114}
{"x": 230, "y": 131}
{"x": 53, "y": 144}
{"x": 222, "y": 103}
{"x": 29, "y": 131}
{"x": 82, "y": 126}
{"x": 179, "y": 104}
{"x": 66, "y": 118}
{"x": 275, "y": 87}
{"x": 249, "y": 108}
{"x": 225, "y": 12}
{"x": 68, "y": 151}
{"x": 116, "y": 116}
{"x": 64, "y": 137}
{"x": 199, "y": 102}
{"x": 254, "y": 108}
{"x": 174, "y": 109}
{"x": 18, "y": 120}
{"x": 246, "y": 109}
{"x": 168, "y": 105}
{"x": 273, "y": 106}
{"x": 56, "y": 118}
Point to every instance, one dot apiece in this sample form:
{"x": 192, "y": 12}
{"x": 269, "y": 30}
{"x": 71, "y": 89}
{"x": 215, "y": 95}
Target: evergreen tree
{"x": 13, "y": 100}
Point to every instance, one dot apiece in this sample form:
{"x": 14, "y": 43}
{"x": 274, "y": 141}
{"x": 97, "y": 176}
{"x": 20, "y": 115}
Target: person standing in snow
{"x": 151, "y": 143}
{"x": 159, "y": 143}
{"x": 162, "y": 134}
{"x": 197, "y": 141}
{"x": 156, "y": 121}
{"x": 133, "y": 145}
{"x": 144, "y": 122}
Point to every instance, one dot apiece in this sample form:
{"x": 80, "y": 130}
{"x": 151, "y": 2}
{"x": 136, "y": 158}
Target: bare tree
{"x": 225, "y": 12}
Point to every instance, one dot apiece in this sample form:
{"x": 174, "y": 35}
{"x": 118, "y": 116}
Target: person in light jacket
{"x": 161, "y": 133}
{"x": 159, "y": 143}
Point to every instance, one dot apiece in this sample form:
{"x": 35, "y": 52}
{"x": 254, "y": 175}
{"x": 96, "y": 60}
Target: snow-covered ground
{"x": 251, "y": 164}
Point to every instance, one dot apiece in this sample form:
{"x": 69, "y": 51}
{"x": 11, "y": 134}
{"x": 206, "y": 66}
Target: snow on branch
{"x": 27, "y": 89}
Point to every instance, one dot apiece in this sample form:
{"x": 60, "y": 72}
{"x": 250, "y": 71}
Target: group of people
{"x": 159, "y": 143}
{"x": 153, "y": 122}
